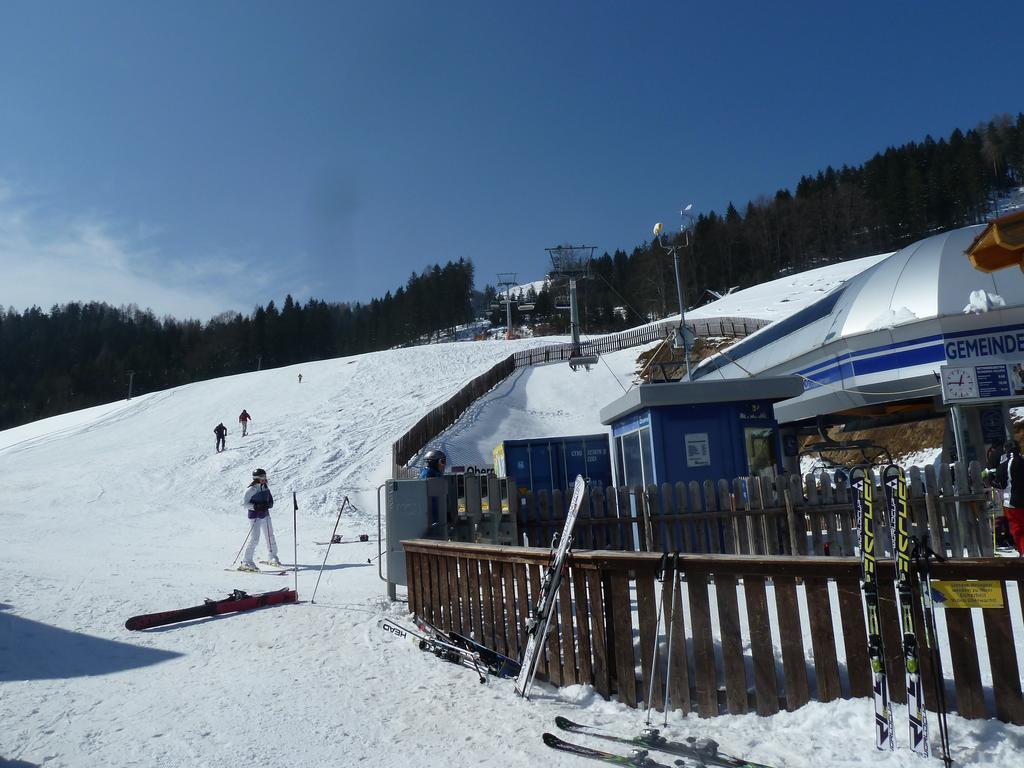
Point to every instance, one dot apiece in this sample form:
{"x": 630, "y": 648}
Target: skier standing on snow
{"x": 1010, "y": 478}
{"x": 221, "y": 432}
{"x": 258, "y": 500}
{"x": 244, "y": 418}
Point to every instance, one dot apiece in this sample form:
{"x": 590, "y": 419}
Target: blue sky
{"x": 199, "y": 157}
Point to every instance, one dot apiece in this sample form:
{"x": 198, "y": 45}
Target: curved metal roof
{"x": 929, "y": 279}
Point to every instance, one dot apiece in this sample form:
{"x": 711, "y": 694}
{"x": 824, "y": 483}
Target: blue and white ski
{"x": 537, "y": 628}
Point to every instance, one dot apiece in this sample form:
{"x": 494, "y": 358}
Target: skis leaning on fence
{"x": 894, "y": 480}
{"x": 537, "y": 628}
{"x": 864, "y": 504}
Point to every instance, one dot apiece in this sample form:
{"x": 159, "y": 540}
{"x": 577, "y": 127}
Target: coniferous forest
{"x": 77, "y": 355}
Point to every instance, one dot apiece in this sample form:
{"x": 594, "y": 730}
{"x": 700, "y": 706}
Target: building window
{"x": 636, "y": 458}
{"x": 760, "y": 445}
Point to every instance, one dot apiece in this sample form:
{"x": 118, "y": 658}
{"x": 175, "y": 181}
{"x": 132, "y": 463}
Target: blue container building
{"x": 547, "y": 463}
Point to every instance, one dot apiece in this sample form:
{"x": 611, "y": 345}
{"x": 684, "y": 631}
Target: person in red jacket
{"x": 244, "y": 418}
{"x": 1010, "y": 477}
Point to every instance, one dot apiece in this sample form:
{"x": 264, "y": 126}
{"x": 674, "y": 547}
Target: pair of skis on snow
{"x": 894, "y": 484}
{"x": 692, "y": 752}
{"x": 454, "y": 648}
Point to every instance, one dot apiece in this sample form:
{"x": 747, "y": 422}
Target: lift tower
{"x": 573, "y": 263}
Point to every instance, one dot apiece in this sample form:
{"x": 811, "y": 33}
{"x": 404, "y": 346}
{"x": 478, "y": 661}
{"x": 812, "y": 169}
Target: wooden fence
{"x": 787, "y": 515}
{"x": 731, "y": 327}
{"x": 605, "y": 626}
{"x": 446, "y": 414}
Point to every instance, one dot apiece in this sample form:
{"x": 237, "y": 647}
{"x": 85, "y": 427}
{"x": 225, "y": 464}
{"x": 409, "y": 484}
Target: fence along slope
{"x": 443, "y": 416}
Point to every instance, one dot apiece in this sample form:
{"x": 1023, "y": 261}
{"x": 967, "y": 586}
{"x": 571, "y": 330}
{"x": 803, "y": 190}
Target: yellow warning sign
{"x": 967, "y": 594}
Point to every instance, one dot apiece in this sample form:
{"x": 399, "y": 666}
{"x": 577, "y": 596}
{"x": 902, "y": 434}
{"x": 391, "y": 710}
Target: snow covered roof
{"x": 928, "y": 279}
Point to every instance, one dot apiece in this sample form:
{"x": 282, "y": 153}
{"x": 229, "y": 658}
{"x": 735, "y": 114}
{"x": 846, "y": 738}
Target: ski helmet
{"x": 260, "y": 473}
{"x": 435, "y": 457}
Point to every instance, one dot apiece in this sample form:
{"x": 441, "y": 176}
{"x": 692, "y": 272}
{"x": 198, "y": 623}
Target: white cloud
{"x": 48, "y": 259}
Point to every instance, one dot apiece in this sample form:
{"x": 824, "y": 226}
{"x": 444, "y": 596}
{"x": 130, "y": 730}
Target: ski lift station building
{"x": 919, "y": 334}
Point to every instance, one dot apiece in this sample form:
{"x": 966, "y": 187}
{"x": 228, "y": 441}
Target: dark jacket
{"x": 1010, "y": 477}
{"x": 258, "y": 500}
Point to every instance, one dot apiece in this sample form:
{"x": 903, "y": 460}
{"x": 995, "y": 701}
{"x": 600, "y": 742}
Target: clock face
{"x": 959, "y": 384}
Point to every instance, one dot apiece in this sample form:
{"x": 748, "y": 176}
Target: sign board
{"x": 968, "y": 594}
{"x": 698, "y": 450}
{"x": 981, "y": 383}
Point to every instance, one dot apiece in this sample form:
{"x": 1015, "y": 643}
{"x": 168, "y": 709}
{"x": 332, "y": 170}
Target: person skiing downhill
{"x": 221, "y": 432}
{"x": 258, "y": 500}
{"x": 244, "y": 418}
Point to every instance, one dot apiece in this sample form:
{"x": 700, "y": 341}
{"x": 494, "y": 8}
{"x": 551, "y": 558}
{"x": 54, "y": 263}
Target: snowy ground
{"x": 125, "y": 508}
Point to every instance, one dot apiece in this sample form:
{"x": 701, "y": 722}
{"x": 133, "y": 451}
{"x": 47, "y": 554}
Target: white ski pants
{"x": 260, "y": 527}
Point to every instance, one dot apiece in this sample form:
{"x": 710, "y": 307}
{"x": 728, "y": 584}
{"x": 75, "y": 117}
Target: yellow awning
{"x": 1000, "y": 245}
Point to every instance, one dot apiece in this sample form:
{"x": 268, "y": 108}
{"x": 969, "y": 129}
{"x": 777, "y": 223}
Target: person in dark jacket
{"x": 258, "y": 501}
{"x": 244, "y": 418}
{"x": 434, "y": 465}
{"x": 1010, "y": 477}
{"x": 221, "y": 432}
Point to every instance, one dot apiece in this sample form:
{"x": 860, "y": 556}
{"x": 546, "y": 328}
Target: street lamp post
{"x": 682, "y": 335}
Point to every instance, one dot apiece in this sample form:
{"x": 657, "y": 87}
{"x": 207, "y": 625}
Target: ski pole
{"x": 244, "y": 542}
{"x": 344, "y": 503}
{"x": 295, "y": 542}
{"x": 657, "y": 627}
{"x": 924, "y": 574}
{"x": 671, "y": 623}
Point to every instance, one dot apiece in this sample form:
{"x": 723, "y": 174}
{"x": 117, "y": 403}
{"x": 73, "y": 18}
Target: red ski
{"x": 233, "y": 603}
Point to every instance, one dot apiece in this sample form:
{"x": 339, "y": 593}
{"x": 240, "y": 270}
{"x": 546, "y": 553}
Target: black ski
{"x": 498, "y": 664}
{"x": 704, "y": 751}
{"x": 894, "y": 480}
{"x": 235, "y": 602}
{"x": 864, "y": 505}
{"x": 638, "y": 759}
{"x": 439, "y": 648}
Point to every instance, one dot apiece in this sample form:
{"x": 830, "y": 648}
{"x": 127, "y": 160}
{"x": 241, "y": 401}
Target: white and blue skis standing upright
{"x": 537, "y": 628}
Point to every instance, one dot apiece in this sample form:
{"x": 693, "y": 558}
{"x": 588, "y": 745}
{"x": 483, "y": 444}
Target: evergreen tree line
{"x": 77, "y": 355}
{"x": 897, "y": 197}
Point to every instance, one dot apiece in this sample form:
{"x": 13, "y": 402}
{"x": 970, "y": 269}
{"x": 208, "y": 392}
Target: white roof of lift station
{"x": 882, "y": 335}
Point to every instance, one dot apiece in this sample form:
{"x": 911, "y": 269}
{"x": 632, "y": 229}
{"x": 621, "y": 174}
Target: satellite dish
{"x": 657, "y": 229}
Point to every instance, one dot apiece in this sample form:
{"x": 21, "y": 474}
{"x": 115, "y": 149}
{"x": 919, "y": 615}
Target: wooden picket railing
{"x": 723, "y": 604}
{"x": 729, "y": 327}
{"x": 443, "y": 416}
{"x": 785, "y": 515}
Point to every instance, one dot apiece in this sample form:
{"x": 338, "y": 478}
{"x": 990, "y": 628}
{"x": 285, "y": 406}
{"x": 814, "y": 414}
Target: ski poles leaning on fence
{"x": 330, "y": 541}
{"x": 923, "y": 556}
{"x": 657, "y": 626}
{"x": 671, "y": 624}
